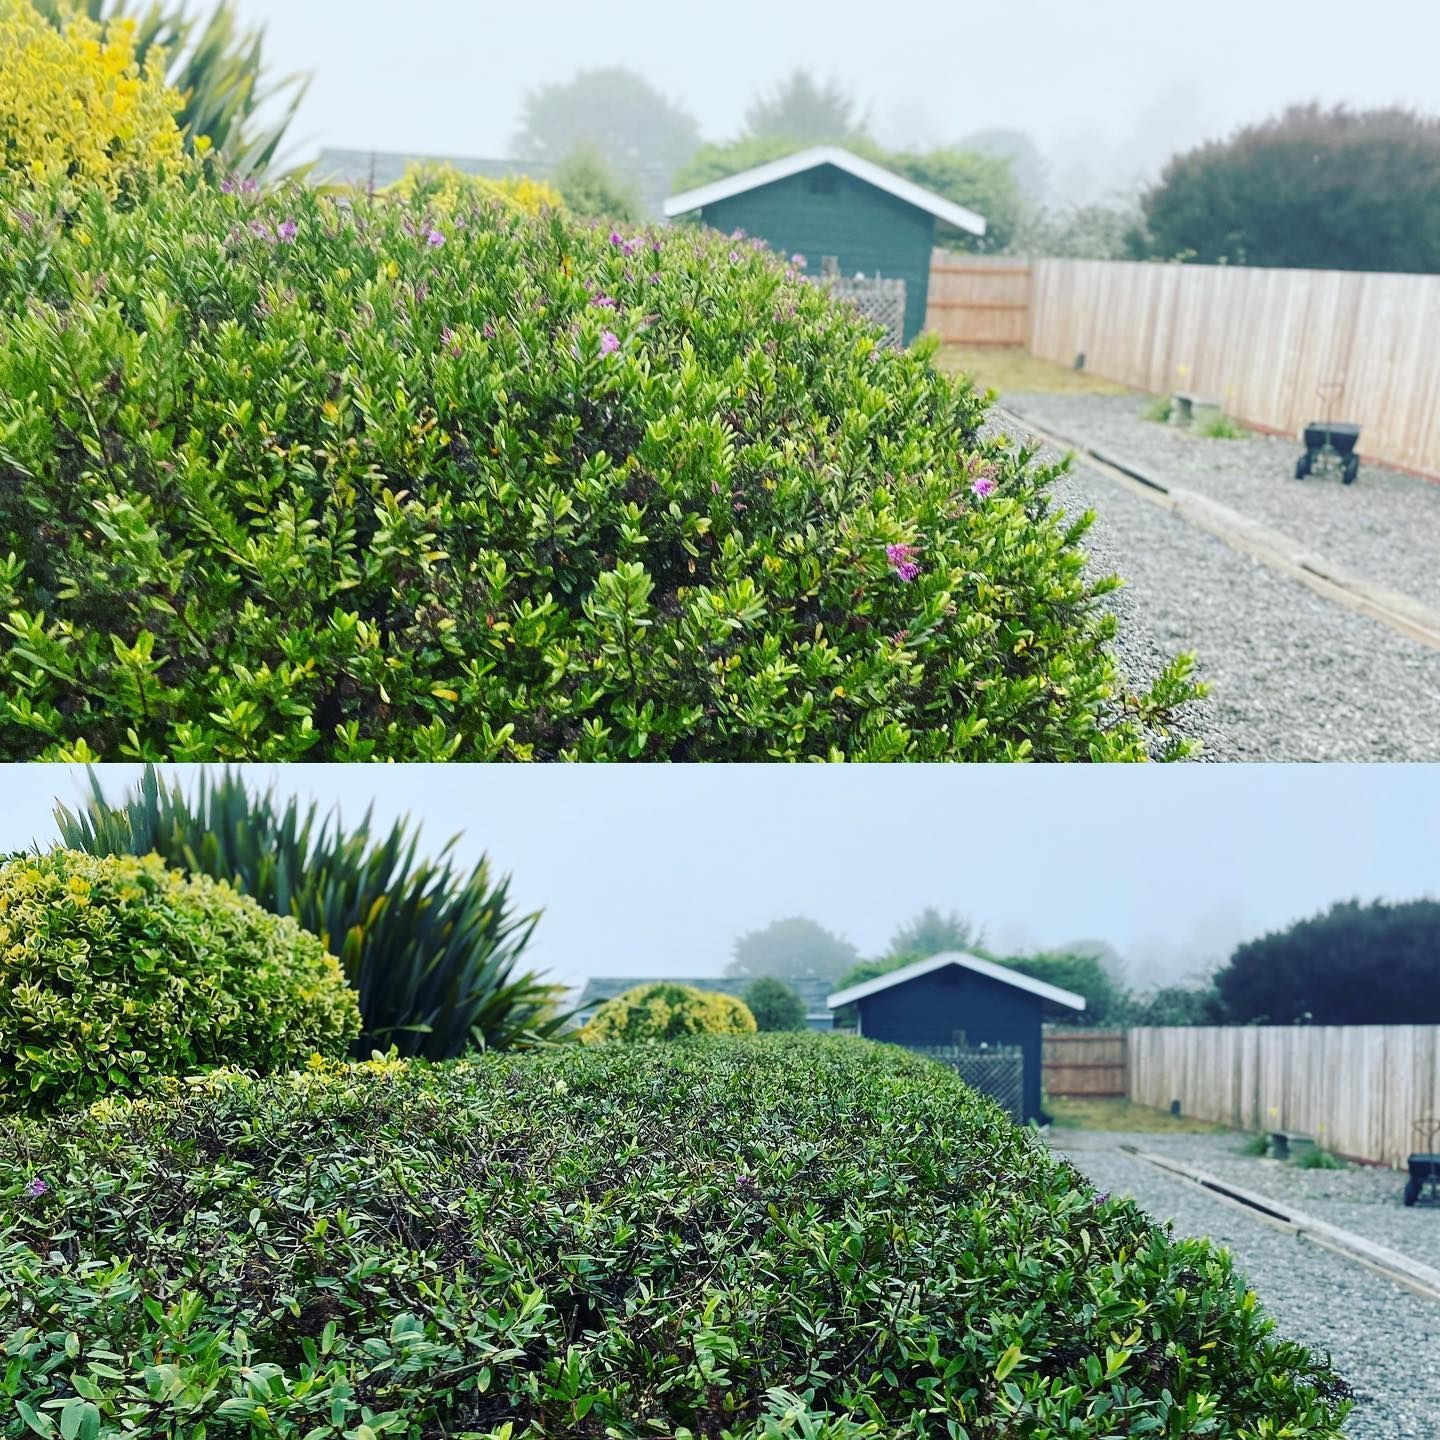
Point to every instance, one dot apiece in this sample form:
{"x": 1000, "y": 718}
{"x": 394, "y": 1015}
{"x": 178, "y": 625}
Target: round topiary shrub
{"x": 118, "y": 970}
{"x": 286, "y": 477}
{"x": 666, "y": 1011}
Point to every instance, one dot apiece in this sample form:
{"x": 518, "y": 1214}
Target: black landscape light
{"x": 1425, "y": 1167}
{"x": 1330, "y": 443}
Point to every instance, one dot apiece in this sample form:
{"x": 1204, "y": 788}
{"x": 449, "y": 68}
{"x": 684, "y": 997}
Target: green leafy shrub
{"x": 118, "y": 970}
{"x": 593, "y": 190}
{"x": 1256, "y": 1145}
{"x": 431, "y": 952}
{"x": 774, "y": 1005}
{"x": 1159, "y": 410}
{"x": 283, "y": 479}
{"x": 1312, "y": 1157}
{"x": 1221, "y": 427}
{"x": 666, "y": 1011}
{"x": 692, "y": 1240}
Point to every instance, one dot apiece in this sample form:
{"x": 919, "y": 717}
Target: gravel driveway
{"x": 1292, "y": 676}
{"x": 1385, "y": 527}
{"x": 1383, "y": 1339}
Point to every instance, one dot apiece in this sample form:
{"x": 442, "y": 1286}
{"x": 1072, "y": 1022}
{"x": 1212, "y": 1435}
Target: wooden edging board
{"x": 1282, "y": 553}
{"x": 1422, "y": 1279}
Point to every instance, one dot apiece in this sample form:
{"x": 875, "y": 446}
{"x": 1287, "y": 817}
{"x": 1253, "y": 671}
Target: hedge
{"x": 285, "y": 478}
{"x": 114, "y": 971}
{"x": 723, "y": 1237}
{"x": 667, "y": 1011}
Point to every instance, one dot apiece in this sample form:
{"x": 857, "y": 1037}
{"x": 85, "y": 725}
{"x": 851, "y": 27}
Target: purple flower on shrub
{"x": 653, "y": 277}
{"x": 288, "y": 230}
{"x": 228, "y": 186}
{"x": 737, "y": 234}
{"x": 604, "y": 302}
{"x": 902, "y": 560}
{"x": 734, "y": 256}
{"x": 433, "y": 238}
{"x": 36, "y": 1188}
{"x": 447, "y": 338}
{"x": 249, "y": 186}
{"x": 799, "y": 261}
{"x": 488, "y": 330}
{"x": 609, "y": 342}
{"x": 616, "y": 238}
{"x": 1102, "y": 1197}
{"x": 260, "y": 228}
{"x": 982, "y": 487}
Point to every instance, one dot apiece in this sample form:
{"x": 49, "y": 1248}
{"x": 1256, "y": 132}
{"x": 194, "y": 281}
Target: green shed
{"x": 839, "y": 211}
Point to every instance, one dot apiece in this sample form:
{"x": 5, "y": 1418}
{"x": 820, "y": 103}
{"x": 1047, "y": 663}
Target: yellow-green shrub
{"x": 115, "y": 970}
{"x": 75, "y": 104}
{"x": 666, "y": 1011}
{"x": 447, "y": 189}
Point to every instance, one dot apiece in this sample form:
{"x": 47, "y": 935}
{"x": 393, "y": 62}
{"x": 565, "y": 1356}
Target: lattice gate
{"x": 995, "y": 1070}
{"x": 882, "y": 301}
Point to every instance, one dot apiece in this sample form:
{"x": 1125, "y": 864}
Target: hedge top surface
{"x": 697, "y": 1239}
{"x": 116, "y": 970}
{"x": 287, "y": 478}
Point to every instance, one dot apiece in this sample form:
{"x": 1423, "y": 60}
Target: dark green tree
{"x": 804, "y": 112}
{"x": 1311, "y": 188}
{"x": 787, "y": 948}
{"x": 931, "y": 933}
{"x": 1376, "y": 964}
{"x": 592, "y": 189}
{"x": 1084, "y": 974}
{"x": 1175, "y": 1005}
{"x": 774, "y": 1004}
{"x": 983, "y": 183}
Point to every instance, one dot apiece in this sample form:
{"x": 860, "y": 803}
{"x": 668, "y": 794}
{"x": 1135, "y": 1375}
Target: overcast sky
{"x": 654, "y": 869}
{"x": 1112, "y": 86}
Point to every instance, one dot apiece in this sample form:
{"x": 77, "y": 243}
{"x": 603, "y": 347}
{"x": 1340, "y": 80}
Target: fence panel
{"x": 1084, "y": 1062}
{"x": 1359, "y": 1089}
{"x": 978, "y": 300}
{"x": 1261, "y": 341}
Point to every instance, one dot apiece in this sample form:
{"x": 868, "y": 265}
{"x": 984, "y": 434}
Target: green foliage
{"x": 1159, "y": 410}
{"x": 283, "y": 479}
{"x": 1322, "y": 189}
{"x": 801, "y": 111}
{"x": 702, "y": 1239}
{"x": 592, "y": 190}
{"x": 430, "y": 950}
{"x": 1256, "y": 1145}
{"x": 1174, "y": 1005}
{"x": 774, "y": 1005}
{"x": 1085, "y": 232}
{"x": 232, "y": 112}
{"x": 1221, "y": 427}
{"x": 1353, "y": 965}
{"x": 667, "y": 1011}
{"x": 117, "y": 971}
{"x": 1084, "y": 974}
{"x": 931, "y": 933}
{"x": 1312, "y": 1157}
{"x": 789, "y": 948}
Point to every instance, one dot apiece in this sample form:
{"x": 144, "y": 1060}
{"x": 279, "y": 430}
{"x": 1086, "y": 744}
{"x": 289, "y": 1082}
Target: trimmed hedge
{"x": 781, "y": 1235}
{"x": 114, "y": 971}
{"x": 282, "y": 478}
{"x": 666, "y": 1011}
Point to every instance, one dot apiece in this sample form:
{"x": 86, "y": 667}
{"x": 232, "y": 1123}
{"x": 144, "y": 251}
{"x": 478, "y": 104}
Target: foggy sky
{"x": 655, "y": 869}
{"x": 1107, "y": 88}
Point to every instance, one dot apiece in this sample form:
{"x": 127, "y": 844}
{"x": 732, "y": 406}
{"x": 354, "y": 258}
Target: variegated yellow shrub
{"x": 447, "y": 188}
{"x": 75, "y": 104}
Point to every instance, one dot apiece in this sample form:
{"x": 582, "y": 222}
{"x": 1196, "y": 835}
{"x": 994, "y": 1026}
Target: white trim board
{"x": 988, "y": 968}
{"x": 815, "y": 156}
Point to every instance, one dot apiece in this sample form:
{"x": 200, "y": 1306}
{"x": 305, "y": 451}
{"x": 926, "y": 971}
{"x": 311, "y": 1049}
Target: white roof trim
{"x": 988, "y": 968}
{"x": 801, "y": 160}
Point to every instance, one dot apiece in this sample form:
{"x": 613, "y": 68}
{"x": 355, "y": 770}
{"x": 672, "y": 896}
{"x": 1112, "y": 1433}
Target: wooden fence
{"x": 979, "y": 300}
{"x": 1358, "y": 1089}
{"x": 1084, "y": 1062}
{"x": 1261, "y": 342}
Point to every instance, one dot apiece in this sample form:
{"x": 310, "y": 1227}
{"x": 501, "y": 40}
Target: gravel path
{"x": 1362, "y": 1198}
{"x": 1385, "y": 527}
{"x": 1383, "y": 1339}
{"x": 1292, "y": 676}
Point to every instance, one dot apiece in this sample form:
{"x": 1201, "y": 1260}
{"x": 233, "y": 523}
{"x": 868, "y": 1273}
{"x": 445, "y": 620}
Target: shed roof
{"x": 815, "y": 156}
{"x": 812, "y": 989}
{"x": 1003, "y": 973}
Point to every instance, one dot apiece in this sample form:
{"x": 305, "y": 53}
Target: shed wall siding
{"x": 930, "y": 1009}
{"x": 865, "y": 228}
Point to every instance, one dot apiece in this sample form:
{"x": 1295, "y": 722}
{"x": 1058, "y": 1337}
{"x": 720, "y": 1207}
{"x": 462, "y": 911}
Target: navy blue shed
{"x": 959, "y": 999}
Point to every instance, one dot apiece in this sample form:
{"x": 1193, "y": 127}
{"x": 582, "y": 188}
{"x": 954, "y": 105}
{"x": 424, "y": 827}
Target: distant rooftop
{"x": 379, "y": 168}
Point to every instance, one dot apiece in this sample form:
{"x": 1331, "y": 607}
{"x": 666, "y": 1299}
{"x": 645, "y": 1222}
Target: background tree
{"x": 1376, "y": 964}
{"x": 931, "y": 933}
{"x": 774, "y": 1004}
{"x": 592, "y": 189}
{"x": 792, "y": 947}
{"x": 641, "y": 134}
{"x": 1175, "y": 1005}
{"x": 1086, "y": 975}
{"x": 1020, "y": 151}
{"x": 1326, "y": 189}
{"x": 802, "y": 111}
{"x": 218, "y": 66}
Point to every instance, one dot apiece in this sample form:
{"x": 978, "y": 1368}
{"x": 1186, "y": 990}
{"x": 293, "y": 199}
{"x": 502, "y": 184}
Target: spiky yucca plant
{"x": 430, "y": 951}
{"x": 215, "y": 62}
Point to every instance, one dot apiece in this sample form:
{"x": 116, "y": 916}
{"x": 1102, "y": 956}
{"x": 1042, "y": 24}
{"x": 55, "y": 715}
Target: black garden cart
{"x": 1329, "y": 444}
{"x": 1424, "y": 1167}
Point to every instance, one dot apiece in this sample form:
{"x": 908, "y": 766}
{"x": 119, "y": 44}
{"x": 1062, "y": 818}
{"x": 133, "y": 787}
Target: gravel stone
{"x": 1385, "y": 1340}
{"x": 1385, "y": 527}
{"x": 1293, "y": 676}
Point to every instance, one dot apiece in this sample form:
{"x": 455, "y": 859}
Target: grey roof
{"x": 383, "y": 167}
{"x": 812, "y": 989}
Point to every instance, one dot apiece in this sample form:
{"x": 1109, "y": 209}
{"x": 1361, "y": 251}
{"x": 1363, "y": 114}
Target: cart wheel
{"x": 1352, "y": 469}
{"x": 1302, "y": 466}
{"x": 1412, "y": 1189}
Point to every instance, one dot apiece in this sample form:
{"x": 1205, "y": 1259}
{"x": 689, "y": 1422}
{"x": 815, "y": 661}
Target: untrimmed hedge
{"x": 282, "y": 478}
{"x": 698, "y": 1239}
{"x": 115, "y": 970}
